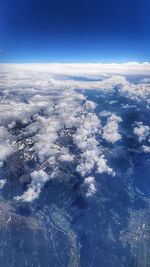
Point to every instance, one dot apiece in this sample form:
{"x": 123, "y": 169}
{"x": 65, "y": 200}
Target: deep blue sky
{"x": 74, "y": 30}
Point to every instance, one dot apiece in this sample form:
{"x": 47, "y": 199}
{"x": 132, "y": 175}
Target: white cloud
{"x": 46, "y": 137}
{"x": 6, "y": 144}
{"x": 49, "y": 102}
{"x": 146, "y": 149}
{"x": 66, "y": 157}
{"x": 89, "y": 105}
{"x": 89, "y": 182}
{"x": 85, "y": 140}
{"x": 2, "y": 183}
{"x": 110, "y": 130}
{"x": 91, "y": 152}
{"x": 5, "y": 151}
{"x": 105, "y": 113}
{"x": 81, "y": 69}
{"x": 39, "y": 178}
{"x": 102, "y": 166}
{"x": 141, "y": 131}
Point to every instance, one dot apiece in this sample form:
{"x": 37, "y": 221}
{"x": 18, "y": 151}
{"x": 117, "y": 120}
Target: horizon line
{"x": 78, "y": 63}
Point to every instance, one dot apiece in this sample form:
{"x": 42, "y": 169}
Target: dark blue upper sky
{"x": 74, "y": 30}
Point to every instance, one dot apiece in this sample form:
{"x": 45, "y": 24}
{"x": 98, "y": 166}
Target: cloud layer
{"x": 46, "y": 114}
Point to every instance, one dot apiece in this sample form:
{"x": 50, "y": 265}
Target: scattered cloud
{"x": 89, "y": 183}
{"x": 39, "y": 178}
{"x": 141, "y": 131}
{"x": 66, "y": 157}
{"x": 146, "y": 149}
{"x": 2, "y": 183}
{"x": 48, "y": 107}
{"x": 89, "y": 105}
{"x": 7, "y": 146}
{"x": 110, "y": 130}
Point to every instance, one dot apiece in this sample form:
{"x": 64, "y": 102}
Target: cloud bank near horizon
{"x": 129, "y": 68}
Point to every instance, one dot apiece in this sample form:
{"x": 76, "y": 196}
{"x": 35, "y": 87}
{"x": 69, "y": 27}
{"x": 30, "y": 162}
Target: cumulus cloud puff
{"x": 66, "y": 157}
{"x": 39, "y": 178}
{"x": 2, "y": 183}
{"x": 7, "y": 147}
{"x": 110, "y": 130}
{"x": 146, "y": 149}
{"x": 141, "y": 131}
{"x": 89, "y": 183}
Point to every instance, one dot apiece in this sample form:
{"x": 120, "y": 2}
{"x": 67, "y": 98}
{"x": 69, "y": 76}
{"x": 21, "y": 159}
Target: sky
{"x": 74, "y": 31}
